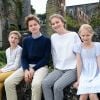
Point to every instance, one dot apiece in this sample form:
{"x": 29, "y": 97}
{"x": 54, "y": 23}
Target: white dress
{"x": 90, "y": 75}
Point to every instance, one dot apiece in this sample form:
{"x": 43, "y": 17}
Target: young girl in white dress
{"x": 88, "y": 64}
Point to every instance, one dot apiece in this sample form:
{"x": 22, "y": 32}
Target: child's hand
{"x": 76, "y": 84}
{"x": 27, "y": 76}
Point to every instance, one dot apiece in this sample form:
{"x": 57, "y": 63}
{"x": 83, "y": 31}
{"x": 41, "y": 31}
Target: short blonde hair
{"x": 15, "y": 32}
{"x": 86, "y": 27}
{"x": 31, "y": 17}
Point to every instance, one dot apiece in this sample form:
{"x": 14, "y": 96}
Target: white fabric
{"x": 13, "y": 59}
{"x": 90, "y": 76}
{"x": 62, "y": 45}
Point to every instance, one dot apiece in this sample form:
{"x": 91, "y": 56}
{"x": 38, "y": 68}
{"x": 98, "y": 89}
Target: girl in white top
{"x": 13, "y": 59}
{"x": 64, "y": 60}
{"x": 13, "y": 55}
{"x": 88, "y": 65}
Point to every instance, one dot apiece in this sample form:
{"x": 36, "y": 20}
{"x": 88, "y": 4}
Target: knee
{"x": 93, "y": 96}
{"x": 37, "y": 84}
{"x": 84, "y": 97}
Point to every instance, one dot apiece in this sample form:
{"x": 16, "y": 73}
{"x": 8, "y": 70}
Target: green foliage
{"x": 95, "y": 21}
{"x": 2, "y": 58}
{"x": 71, "y": 23}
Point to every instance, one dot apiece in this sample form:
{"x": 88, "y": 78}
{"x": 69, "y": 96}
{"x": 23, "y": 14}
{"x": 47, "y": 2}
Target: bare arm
{"x": 79, "y": 66}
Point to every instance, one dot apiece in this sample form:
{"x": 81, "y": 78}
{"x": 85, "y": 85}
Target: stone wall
{"x": 12, "y": 14}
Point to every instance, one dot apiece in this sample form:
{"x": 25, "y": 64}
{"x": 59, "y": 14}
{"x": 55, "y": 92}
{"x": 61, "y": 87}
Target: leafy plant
{"x": 2, "y": 58}
{"x": 95, "y": 21}
{"x": 72, "y": 23}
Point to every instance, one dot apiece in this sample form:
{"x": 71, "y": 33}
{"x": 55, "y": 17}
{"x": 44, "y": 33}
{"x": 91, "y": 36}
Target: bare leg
{"x": 93, "y": 96}
{"x": 83, "y": 97}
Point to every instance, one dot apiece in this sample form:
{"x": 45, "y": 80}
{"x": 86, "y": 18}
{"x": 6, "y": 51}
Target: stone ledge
{"x": 24, "y": 92}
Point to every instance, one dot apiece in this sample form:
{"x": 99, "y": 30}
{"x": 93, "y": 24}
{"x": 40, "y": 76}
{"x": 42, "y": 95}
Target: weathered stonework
{"x": 82, "y": 13}
{"x": 12, "y": 14}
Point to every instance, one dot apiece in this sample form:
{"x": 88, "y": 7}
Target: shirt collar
{"x": 37, "y": 36}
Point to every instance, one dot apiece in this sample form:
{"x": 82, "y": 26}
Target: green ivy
{"x": 95, "y": 21}
{"x": 71, "y": 23}
{"x": 2, "y": 58}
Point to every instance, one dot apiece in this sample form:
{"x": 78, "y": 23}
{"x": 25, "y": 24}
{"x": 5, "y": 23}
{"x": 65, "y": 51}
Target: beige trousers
{"x": 17, "y": 76}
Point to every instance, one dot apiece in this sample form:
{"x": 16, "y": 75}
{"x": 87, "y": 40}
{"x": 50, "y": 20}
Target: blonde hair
{"x": 16, "y": 33}
{"x": 31, "y": 17}
{"x": 86, "y": 27}
{"x": 57, "y": 16}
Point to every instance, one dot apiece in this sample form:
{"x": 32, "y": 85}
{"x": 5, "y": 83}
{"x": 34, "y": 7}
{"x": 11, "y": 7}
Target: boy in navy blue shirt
{"x": 35, "y": 57}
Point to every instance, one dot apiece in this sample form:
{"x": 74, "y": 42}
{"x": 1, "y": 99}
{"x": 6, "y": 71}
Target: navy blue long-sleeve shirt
{"x": 35, "y": 51}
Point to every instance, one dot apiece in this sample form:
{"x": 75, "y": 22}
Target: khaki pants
{"x": 15, "y": 79}
{"x": 3, "y": 76}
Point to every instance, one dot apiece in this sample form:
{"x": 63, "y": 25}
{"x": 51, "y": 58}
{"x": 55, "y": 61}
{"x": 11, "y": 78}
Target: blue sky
{"x": 40, "y": 5}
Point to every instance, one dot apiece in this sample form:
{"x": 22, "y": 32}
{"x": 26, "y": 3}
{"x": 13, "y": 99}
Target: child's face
{"x": 13, "y": 40}
{"x": 33, "y": 27}
{"x": 86, "y": 36}
{"x": 57, "y": 24}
